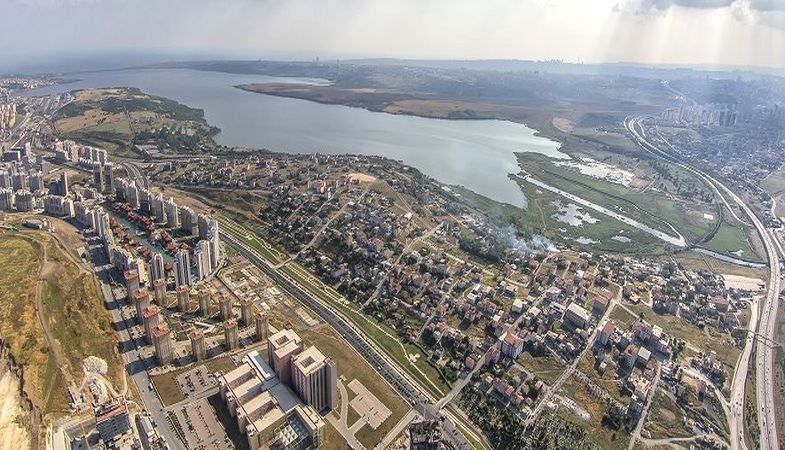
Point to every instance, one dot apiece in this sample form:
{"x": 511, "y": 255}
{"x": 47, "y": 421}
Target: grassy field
{"x": 166, "y": 384}
{"x": 775, "y": 182}
{"x": 691, "y": 260}
{"x": 622, "y": 318}
{"x": 608, "y": 381}
{"x": 540, "y": 217}
{"x": 115, "y": 118}
{"x": 332, "y": 438}
{"x": 727, "y": 353}
{"x": 249, "y": 237}
{"x": 607, "y": 438}
{"x": 694, "y": 220}
{"x": 732, "y": 240}
{"x": 19, "y": 324}
{"x": 352, "y": 366}
{"x": 548, "y": 368}
{"x": 665, "y": 419}
{"x": 72, "y": 307}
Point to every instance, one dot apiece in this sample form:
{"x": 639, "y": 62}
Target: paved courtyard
{"x": 371, "y": 410}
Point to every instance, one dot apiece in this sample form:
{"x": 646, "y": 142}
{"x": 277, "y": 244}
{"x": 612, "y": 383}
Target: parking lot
{"x": 196, "y": 380}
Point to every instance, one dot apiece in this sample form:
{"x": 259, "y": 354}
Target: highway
{"x": 420, "y": 399}
{"x": 762, "y": 320}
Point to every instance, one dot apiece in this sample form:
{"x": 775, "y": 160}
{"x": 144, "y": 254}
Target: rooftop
{"x": 110, "y": 409}
{"x": 283, "y": 337}
{"x": 309, "y": 360}
{"x": 162, "y": 329}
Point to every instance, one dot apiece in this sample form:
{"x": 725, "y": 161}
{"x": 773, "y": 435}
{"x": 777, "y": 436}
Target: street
{"x": 761, "y": 333}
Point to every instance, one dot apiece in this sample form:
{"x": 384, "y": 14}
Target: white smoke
{"x": 536, "y": 244}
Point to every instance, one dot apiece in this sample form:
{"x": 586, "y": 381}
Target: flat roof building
{"x": 425, "y": 435}
{"x": 314, "y": 378}
{"x": 112, "y": 419}
{"x": 267, "y": 411}
{"x": 281, "y": 347}
{"x": 576, "y": 315}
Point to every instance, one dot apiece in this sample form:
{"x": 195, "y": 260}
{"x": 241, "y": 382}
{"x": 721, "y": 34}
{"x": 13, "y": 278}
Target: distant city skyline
{"x": 744, "y": 33}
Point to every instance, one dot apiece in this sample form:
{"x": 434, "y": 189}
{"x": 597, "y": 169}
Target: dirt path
{"x": 45, "y": 268}
{"x": 53, "y": 344}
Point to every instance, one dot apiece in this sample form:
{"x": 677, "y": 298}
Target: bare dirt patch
{"x": 12, "y": 434}
{"x": 362, "y": 177}
{"x": 563, "y": 124}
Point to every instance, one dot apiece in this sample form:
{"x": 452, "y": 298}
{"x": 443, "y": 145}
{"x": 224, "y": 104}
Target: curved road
{"x": 764, "y": 324}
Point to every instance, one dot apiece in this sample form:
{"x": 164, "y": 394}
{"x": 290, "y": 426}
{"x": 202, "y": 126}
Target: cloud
{"x": 767, "y": 5}
{"x": 769, "y": 13}
{"x": 646, "y": 6}
{"x": 719, "y": 32}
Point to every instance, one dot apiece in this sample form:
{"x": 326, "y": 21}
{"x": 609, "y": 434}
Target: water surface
{"x": 478, "y": 154}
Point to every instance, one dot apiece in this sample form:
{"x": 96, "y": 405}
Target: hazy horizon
{"x": 682, "y": 33}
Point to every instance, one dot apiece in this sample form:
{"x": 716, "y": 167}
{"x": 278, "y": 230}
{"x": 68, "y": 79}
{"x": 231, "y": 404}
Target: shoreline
{"x": 547, "y": 131}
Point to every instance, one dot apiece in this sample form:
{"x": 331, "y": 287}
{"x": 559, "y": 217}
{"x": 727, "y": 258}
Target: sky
{"x": 748, "y": 33}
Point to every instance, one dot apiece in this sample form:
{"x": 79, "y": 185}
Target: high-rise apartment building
{"x": 204, "y": 302}
{"x": 262, "y": 324}
{"x": 182, "y": 268}
{"x": 314, "y": 378}
{"x": 141, "y": 300}
{"x": 131, "y": 282}
{"x": 198, "y": 348}
{"x": 231, "y": 335}
{"x": 157, "y": 268}
{"x": 162, "y": 340}
{"x": 182, "y": 292}
{"x": 159, "y": 291}
{"x": 225, "y": 306}
{"x": 246, "y": 311}
{"x": 150, "y": 318}
{"x": 281, "y": 347}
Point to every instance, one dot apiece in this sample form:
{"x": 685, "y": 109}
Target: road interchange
{"x": 762, "y": 320}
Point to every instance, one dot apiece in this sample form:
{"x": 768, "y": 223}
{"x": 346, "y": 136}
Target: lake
{"x": 478, "y": 154}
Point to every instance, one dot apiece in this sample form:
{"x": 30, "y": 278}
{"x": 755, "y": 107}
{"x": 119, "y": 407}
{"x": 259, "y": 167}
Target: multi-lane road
{"x": 420, "y": 399}
{"x": 762, "y": 323}
{"x": 137, "y": 367}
